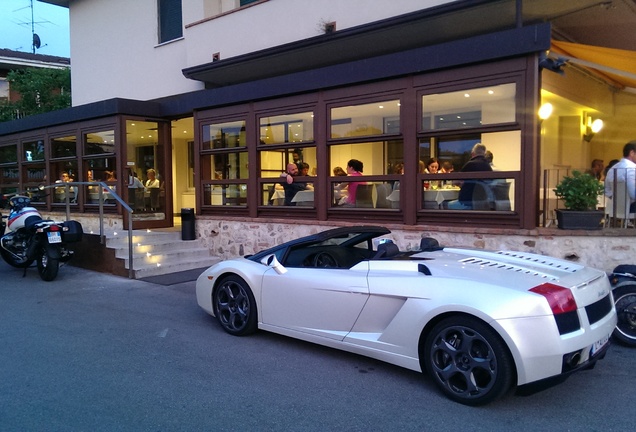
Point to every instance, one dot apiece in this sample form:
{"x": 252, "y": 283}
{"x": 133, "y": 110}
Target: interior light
{"x": 545, "y": 111}
{"x": 592, "y": 127}
{"x": 597, "y": 125}
{"x": 491, "y": 92}
{"x": 466, "y": 95}
{"x": 381, "y": 106}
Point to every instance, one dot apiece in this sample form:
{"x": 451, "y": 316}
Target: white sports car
{"x": 481, "y": 323}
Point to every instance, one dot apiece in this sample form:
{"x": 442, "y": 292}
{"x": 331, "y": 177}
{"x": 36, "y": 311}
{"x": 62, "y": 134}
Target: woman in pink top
{"x": 354, "y": 168}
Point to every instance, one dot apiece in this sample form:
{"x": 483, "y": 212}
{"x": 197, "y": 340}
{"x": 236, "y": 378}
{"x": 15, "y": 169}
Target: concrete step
{"x": 157, "y": 252}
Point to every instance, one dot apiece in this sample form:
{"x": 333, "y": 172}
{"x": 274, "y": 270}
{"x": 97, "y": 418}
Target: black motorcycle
{"x": 31, "y": 238}
{"x": 623, "y": 280}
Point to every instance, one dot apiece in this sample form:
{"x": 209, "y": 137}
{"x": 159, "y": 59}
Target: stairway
{"x": 159, "y": 252}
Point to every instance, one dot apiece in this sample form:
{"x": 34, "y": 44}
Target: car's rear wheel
{"x": 234, "y": 306}
{"x": 468, "y": 361}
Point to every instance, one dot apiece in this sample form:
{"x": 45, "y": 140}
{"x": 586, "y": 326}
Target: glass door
{"x": 148, "y": 173}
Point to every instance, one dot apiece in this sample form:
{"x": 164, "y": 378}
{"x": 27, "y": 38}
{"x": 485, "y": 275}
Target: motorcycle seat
{"x": 31, "y": 221}
{"x": 626, "y": 268}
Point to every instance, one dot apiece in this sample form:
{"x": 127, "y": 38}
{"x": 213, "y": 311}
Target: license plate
{"x": 598, "y": 346}
{"x": 54, "y": 237}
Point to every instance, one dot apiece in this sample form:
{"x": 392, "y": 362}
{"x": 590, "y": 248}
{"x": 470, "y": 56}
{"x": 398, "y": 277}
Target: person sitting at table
{"x": 354, "y": 168}
{"x": 447, "y": 167}
{"x": 61, "y": 192}
{"x": 432, "y": 167}
{"x": 291, "y": 187}
{"x": 339, "y": 189}
{"x": 476, "y": 163}
{"x": 153, "y": 188}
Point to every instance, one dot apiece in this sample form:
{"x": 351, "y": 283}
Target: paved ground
{"x": 93, "y": 352}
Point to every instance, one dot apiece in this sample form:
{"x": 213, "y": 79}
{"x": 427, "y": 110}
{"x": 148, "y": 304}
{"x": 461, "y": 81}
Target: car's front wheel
{"x": 234, "y": 306}
{"x": 468, "y": 361}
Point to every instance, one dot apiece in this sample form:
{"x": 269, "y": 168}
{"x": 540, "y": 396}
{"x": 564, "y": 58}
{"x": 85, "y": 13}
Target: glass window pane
{"x": 225, "y": 195}
{"x": 375, "y": 156}
{"x": 469, "y": 108}
{"x": 224, "y": 135}
{"x": 9, "y": 175}
{"x": 64, "y": 147}
{"x": 33, "y": 151}
{"x": 227, "y": 166}
{"x": 99, "y": 142}
{"x": 378, "y": 118}
{"x": 9, "y": 154}
{"x": 478, "y": 194}
{"x": 289, "y": 128}
{"x": 34, "y": 174}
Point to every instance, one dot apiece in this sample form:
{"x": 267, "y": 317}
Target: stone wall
{"x": 603, "y": 249}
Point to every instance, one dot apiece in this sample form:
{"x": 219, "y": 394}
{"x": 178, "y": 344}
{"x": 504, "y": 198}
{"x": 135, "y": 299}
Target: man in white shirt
{"x": 624, "y": 171}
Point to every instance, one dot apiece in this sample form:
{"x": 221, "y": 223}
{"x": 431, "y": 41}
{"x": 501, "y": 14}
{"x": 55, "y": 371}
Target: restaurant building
{"x": 219, "y": 96}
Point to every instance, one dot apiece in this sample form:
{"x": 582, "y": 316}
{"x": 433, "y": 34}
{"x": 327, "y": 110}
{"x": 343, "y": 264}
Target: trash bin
{"x": 187, "y": 224}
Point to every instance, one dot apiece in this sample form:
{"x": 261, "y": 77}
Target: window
{"x": 451, "y": 124}
{"x": 170, "y": 20}
{"x": 224, "y": 167}
{"x": 469, "y": 108}
{"x": 9, "y": 173}
{"x": 99, "y": 164}
{"x": 287, "y": 139}
{"x": 352, "y": 133}
{"x": 4, "y": 89}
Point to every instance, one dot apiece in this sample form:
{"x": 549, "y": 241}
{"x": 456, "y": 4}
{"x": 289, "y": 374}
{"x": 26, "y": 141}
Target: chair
{"x": 483, "y": 197}
{"x": 617, "y": 207}
{"x": 383, "y": 190}
{"x": 501, "y": 195}
{"x": 387, "y": 250}
{"x": 364, "y": 196}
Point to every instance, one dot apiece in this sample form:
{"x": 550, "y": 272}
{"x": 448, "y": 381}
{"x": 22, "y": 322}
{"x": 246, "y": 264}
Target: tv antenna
{"x": 36, "y": 43}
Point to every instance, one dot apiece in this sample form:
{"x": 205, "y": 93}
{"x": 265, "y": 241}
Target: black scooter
{"x": 623, "y": 280}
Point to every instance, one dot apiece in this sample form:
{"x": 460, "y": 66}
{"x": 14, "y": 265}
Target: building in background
{"x": 219, "y": 96}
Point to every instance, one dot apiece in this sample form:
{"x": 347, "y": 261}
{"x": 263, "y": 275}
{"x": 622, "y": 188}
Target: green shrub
{"x": 579, "y": 191}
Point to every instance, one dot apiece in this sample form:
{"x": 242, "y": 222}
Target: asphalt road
{"x": 94, "y": 352}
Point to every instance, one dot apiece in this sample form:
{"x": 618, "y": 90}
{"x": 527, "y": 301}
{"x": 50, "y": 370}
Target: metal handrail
{"x": 102, "y": 237}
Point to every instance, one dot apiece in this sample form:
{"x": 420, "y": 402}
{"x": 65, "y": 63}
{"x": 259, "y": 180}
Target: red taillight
{"x": 54, "y": 228}
{"x": 560, "y": 299}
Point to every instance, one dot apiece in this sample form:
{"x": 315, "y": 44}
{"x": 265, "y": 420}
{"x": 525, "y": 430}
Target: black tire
{"x": 625, "y": 301}
{"x": 10, "y": 259}
{"x": 468, "y": 361}
{"x": 47, "y": 266}
{"x": 234, "y": 306}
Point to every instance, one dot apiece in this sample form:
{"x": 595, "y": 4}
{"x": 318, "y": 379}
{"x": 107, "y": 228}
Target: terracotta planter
{"x": 580, "y": 220}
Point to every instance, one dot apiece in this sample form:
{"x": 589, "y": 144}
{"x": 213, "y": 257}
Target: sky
{"x": 51, "y": 24}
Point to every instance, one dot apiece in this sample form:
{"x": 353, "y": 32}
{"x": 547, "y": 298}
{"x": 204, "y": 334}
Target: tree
{"x": 40, "y": 90}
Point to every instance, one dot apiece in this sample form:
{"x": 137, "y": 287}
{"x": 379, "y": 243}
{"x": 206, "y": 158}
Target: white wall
{"x": 114, "y": 47}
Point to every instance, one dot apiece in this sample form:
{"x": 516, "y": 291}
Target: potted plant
{"x": 579, "y": 193}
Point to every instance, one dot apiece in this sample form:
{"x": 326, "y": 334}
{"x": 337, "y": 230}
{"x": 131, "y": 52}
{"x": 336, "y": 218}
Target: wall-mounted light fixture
{"x": 592, "y": 127}
{"x": 545, "y": 111}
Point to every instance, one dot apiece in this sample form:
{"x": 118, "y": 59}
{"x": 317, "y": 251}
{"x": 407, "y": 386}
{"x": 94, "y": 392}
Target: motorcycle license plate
{"x": 598, "y": 345}
{"x": 54, "y": 237}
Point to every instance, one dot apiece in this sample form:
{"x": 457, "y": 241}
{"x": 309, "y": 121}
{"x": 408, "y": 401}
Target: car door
{"x": 322, "y": 302}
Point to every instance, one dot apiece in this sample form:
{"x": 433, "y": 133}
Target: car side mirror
{"x": 271, "y": 261}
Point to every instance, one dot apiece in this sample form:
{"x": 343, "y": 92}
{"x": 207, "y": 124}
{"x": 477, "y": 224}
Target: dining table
{"x": 435, "y": 198}
{"x": 304, "y": 198}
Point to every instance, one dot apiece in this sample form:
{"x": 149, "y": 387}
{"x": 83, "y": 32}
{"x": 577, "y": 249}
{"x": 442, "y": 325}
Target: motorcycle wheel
{"x": 625, "y": 301}
{"x": 47, "y": 266}
{"x": 10, "y": 259}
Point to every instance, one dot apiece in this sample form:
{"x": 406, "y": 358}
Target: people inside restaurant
{"x": 597, "y": 170}
{"x": 354, "y": 168}
{"x": 476, "y": 163}
{"x": 290, "y": 186}
{"x": 624, "y": 171}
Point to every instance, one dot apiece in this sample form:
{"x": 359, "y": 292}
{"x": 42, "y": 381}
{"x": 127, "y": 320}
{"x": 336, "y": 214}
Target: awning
{"x": 617, "y": 65}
